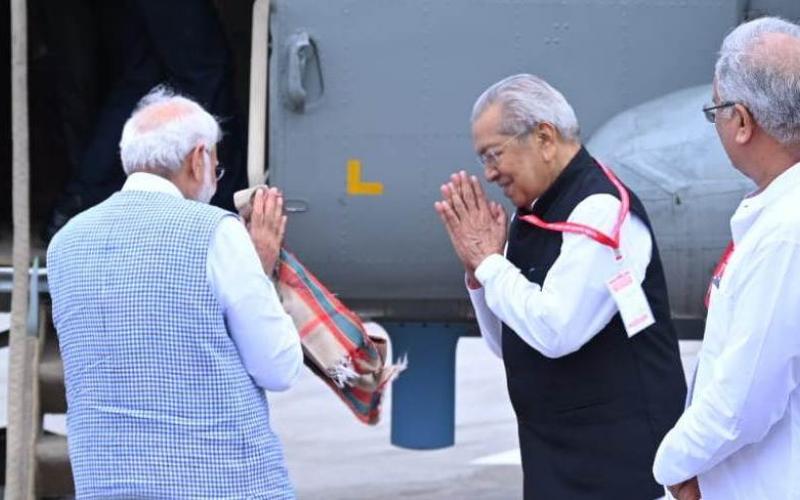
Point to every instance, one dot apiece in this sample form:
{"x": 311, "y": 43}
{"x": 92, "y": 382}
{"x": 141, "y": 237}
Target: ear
{"x": 546, "y": 136}
{"x": 197, "y": 163}
{"x": 745, "y": 124}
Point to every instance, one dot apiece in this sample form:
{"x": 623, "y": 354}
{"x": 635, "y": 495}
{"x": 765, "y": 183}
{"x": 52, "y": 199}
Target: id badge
{"x": 631, "y": 301}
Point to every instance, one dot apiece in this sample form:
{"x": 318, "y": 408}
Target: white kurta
{"x": 740, "y": 433}
{"x": 264, "y": 334}
{"x": 573, "y": 304}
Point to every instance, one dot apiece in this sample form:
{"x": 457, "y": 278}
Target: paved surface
{"x": 343, "y": 459}
{"x": 333, "y": 456}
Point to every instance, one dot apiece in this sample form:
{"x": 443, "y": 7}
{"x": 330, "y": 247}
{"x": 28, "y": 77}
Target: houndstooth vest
{"x": 160, "y": 405}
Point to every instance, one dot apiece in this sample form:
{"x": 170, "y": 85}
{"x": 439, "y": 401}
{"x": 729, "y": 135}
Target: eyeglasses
{"x": 710, "y": 110}
{"x": 491, "y": 157}
{"x": 219, "y": 170}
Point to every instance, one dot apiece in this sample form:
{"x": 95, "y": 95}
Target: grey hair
{"x": 527, "y": 101}
{"x": 768, "y": 85}
{"x": 163, "y": 141}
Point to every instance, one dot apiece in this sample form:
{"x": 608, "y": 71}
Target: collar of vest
{"x": 576, "y": 165}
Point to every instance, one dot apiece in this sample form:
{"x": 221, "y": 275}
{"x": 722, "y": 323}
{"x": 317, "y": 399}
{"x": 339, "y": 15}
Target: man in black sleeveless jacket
{"x": 593, "y": 394}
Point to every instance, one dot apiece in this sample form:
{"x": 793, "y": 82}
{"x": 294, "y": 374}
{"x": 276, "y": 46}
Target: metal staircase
{"x": 43, "y": 393}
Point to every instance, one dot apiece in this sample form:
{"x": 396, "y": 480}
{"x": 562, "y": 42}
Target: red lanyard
{"x": 611, "y": 241}
{"x": 719, "y": 271}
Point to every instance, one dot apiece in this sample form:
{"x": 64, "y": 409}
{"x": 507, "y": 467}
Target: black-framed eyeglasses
{"x": 492, "y": 156}
{"x": 710, "y": 110}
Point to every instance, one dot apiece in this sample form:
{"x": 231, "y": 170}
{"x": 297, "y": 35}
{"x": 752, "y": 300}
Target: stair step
{"x": 52, "y": 394}
{"x": 54, "y": 474}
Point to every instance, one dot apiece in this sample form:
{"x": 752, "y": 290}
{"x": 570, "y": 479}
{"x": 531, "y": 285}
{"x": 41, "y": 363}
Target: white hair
{"x": 163, "y": 130}
{"x": 527, "y": 101}
{"x": 765, "y": 82}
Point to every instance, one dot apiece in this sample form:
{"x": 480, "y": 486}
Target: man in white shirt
{"x": 739, "y": 437}
{"x": 592, "y": 400}
{"x": 168, "y": 325}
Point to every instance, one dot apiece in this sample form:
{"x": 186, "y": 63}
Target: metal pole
{"x": 21, "y": 435}
{"x": 259, "y": 81}
{"x": 424, "y": 397}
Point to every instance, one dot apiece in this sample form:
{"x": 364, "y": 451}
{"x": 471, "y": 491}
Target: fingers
{"x": 467, "y": 191}
{"x": 493, "y": 209}
{"x": 445, "y": 223}
{"x": 269, "y": 205}
{"x": 457, "y": 203}
{"x": 447, "y": 215}
{"x": 281, "y": 229}
{"x": 453, "y": 193}
{"x": 267, "y": 211}
{"x": 246, "y": 211}
{"x": 689, "y": 490}
{"x": 498, "y": 213}
{"x": 464, "y": 194}
{"x": 267, "y": 226}
{"x": 482, "y": 202}
{"x": 277, "y": 213}
{"x": 472, "y": 192}
{"x": 686, "y": 490}
{"x": 450, "y": 194}
{"x": 257, "y": 213}
{"x": 447, "y": 193}
{"x": 455, "y": 182}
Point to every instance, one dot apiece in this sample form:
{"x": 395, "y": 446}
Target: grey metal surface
{"x": 667, "y": 153}
{"x": 391, "y": 84}
{"x": 789, "y": 9}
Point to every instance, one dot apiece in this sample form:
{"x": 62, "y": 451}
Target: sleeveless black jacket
{"x": 590, "y": 422}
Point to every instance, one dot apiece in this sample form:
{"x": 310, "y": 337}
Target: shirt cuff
{"x": 669, "y": 464}
{"x": 466, "y": 283}
{"x": 475, "y": 293}
{"x": 490, "y": 267}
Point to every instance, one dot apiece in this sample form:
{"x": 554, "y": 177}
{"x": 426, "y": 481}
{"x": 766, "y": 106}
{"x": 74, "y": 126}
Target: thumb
{"x": 498, "y": 213}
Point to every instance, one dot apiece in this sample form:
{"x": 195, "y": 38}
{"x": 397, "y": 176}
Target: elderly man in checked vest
{"x": 169, "y": 328}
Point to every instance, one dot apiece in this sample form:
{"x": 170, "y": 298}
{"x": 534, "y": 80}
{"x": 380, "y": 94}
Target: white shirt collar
{"x": 751, "y": 207}
{"x": 143, "y": 181}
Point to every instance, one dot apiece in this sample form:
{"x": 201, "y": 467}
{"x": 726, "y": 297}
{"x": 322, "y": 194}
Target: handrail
{"x": 7, "y": 279}
{"x": 259, "y": 82}
{"x": 20, "y": 464}
{"x": 32, "y": 325}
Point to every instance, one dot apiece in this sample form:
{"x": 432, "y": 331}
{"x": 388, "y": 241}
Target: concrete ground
{"x": 333, "y": 456}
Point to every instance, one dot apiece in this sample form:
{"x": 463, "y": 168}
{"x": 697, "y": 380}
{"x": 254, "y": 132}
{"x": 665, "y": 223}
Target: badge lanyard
{"x": 612, "y": 240}
{"x": 625, "y": 289}
{"x": 719, "y": 270}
